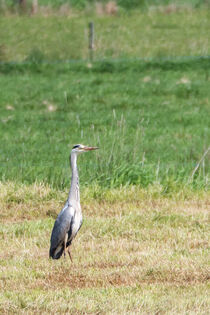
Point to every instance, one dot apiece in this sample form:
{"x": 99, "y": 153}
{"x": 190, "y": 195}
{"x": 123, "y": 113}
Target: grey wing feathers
{"x": 61, "y": 227}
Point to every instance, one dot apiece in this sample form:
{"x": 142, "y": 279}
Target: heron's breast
{"x": 76, "y": 224}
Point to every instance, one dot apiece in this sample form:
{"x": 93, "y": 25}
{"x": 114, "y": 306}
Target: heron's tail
{"x": 56, "y": 253}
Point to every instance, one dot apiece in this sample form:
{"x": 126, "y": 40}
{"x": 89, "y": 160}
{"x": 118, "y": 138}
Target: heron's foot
{"x": 70, "y": 255}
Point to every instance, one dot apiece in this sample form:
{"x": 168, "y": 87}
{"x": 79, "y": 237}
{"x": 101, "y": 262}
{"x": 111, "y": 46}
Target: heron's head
{"x": 80, "y": 148}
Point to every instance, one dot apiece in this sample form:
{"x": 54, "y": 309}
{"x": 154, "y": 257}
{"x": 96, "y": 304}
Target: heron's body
{"x": 69, "y": 219}
{"x": 65, "y": 228}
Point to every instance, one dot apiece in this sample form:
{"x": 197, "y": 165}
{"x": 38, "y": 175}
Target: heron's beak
{"x": 90, "y": 148}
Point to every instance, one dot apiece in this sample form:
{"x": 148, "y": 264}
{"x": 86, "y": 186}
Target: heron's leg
{"x": 65, "y": 241}
{"x": 69, "y": 254}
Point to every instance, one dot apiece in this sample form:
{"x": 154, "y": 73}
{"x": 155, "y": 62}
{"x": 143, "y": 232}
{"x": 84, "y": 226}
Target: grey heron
{"x": 69, "y": 219}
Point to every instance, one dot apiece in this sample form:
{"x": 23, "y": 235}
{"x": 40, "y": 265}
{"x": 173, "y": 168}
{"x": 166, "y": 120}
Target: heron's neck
{"x": 74, "y": 189}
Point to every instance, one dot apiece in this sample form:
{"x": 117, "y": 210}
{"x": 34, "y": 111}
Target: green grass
{"x": 150, "y": 120}
{"x": 138, "y": 34}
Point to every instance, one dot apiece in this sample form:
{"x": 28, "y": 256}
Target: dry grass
{"x": 144, "y": 254}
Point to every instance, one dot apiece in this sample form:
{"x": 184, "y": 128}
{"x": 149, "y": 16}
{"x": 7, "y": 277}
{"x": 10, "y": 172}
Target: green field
{"x": 143, "y": 247}
{"x": 138, "y": 35}
{"x": 151, "y": 122}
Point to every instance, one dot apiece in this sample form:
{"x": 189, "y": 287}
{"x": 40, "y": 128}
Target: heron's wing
{"x": 70, "y": 233}
{"x": 61, "y": 227}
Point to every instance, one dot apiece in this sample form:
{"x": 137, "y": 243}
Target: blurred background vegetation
{"x": 84, "y": 4}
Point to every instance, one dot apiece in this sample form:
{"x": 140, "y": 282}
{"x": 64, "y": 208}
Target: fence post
{"x": 91, "y": 40}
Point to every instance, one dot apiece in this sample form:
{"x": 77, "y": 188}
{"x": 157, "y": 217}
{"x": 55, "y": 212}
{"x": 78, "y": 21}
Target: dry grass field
{"x": 136, "y": 253}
